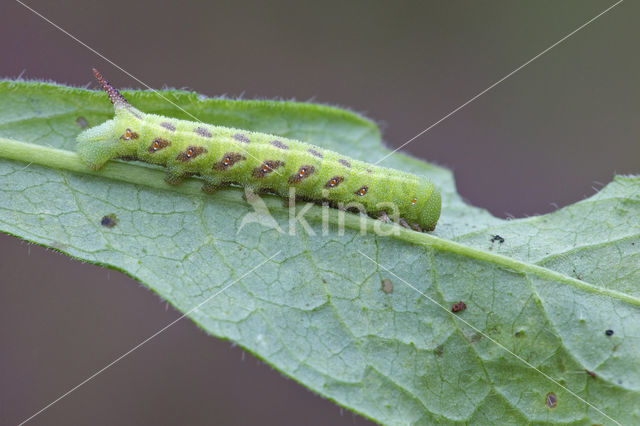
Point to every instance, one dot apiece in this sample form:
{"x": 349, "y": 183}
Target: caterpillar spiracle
{"x": 221, "y": 156}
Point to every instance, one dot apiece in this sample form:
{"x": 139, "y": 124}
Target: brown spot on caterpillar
{"x": 168, "y": 126}
{"x": 344, "y": 162}
{"x": 386, "y": 285}
{"x": 241, "y": 138}
{"x": 82, "y": 122}
{"x": 201, "y": 131}
{"x": 114, "y": 96}
{"x": 362, "y": 191}
{"x": 314, "y": 153}
{"x": 551, "y": 400}
{"x": 109, "y": 221}
{"x": 279, "y": 144}
{"x": 457, "y": 307}
{"x": 129, "y": 134}
{"x": 302, "y": 173}
{"x": 228, "y": 160}
{"x": 190, "y": 152}
{"x": 158, "y": 144}
{"x": 414, "y": 201}
{"x": 333, "y": 182}
{"x": 267, "y": 167}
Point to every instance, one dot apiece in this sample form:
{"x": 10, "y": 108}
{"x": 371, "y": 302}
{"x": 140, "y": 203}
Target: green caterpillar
{"x": 223, "y": 156}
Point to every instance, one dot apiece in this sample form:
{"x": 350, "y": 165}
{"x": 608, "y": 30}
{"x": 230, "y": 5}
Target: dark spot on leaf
{"x": 497, "y": 238}
{"x": 109, "y": 221}
{"x": 459, "y": 306}
{"x": 591, "y": 373}
{"x": 551, "y": 400}
{"x": 609, "y": 332}
{"x": 82, "y": 122}
{"x": 439, "y": 351}
{"x": 386, "y": 285}
{"x": 519, "y": 333}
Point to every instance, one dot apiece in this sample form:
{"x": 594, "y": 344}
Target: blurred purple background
{"x": 546, "y": 136}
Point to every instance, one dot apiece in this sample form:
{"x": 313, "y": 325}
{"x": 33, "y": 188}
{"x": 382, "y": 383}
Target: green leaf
{"x": 312, "y": 306}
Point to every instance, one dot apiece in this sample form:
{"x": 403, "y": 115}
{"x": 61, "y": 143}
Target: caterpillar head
{"x": 113, "y": 138}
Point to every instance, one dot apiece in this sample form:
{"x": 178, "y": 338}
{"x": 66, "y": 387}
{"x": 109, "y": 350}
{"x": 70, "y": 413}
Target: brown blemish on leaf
{"x": 168, "y": 126}
{"x": 333, "y": 182}
{"x": 228, "y": 160}
{"x": 551, "y": 400}
{"x": 241, "y": 138}
{"x": 459, "y": 306}
{"x": 497, "y": 238}
{"x": 279, "y": 144}
{"x": 591, "y": 373}
{"x": 266, "y": 167}
{"x": 386, "y": 285}
{"x": 201, "y": 131}
{"x": 82, "y": 122}
{"x": 314, "y": 153}
{"x": 344, "y": 162}
{"x": 439, "y": 351}
{"x": 109, "y": 221}
{"x": 302, "y": 173}
{"x": 190, "y": 153}
{"x": 158, "y": 144}
{"x": 475, "y": 338}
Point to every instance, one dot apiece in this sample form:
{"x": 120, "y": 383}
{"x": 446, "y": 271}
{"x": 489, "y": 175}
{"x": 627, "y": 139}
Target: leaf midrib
{"x": 152, "y": 177}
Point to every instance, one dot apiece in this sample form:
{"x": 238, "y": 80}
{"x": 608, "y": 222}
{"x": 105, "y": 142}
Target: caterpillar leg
{"x": 404, "y": 223}
{"x": 211, "y": 186}
{"x": 173, "y": 178}
{"x": 382, "y": 216}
